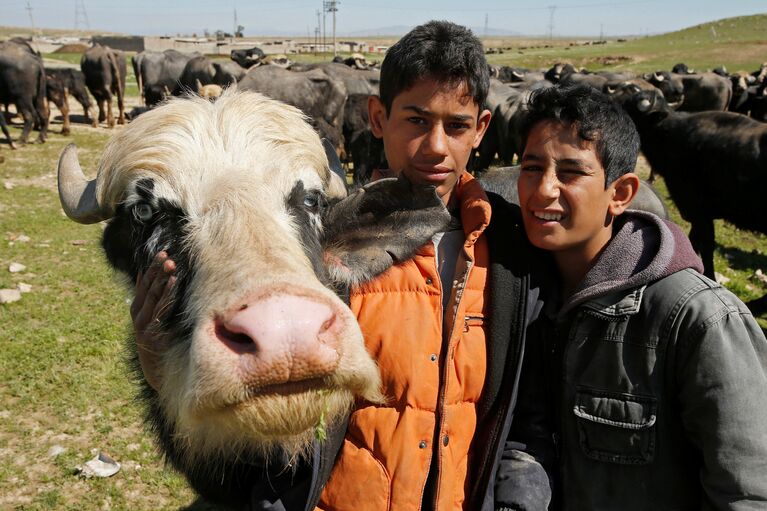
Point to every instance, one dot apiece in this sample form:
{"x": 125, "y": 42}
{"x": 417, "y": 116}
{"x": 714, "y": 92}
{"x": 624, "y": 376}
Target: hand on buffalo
{"x": 149, "y": 306}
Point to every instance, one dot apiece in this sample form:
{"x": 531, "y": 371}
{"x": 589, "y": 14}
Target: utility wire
{"x": 504, "y": 9}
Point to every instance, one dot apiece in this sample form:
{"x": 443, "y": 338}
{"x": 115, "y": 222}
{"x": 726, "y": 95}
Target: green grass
{"x": 69, "y": 58}
{"x": 62, "y": 355}
{"x": 738, "y": 43}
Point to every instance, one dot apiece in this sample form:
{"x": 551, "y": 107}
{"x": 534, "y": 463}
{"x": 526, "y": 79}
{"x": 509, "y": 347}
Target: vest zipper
{"x": 436, "y": 412}
{"x": 445, "y": 370}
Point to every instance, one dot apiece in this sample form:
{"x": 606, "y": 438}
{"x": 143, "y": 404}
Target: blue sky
{"x": 571, "y": 17}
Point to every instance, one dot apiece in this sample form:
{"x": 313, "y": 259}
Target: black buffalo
{"x": 157, "y": 72}
{"x": 502, "y": 138}
{"x": 317, "y": 94}
{"x": 248, "y": 58}
{"x": 61, "y": 83}
{"x": 558, "y": 72}
{"x": 697, "y": 92}
{"x": 207, "y": 72}
{"x": 23, "y": 82}
{"x": 714, "y": 164}
{"x": 105, "y": 69}
{"x": 365, "y": 151}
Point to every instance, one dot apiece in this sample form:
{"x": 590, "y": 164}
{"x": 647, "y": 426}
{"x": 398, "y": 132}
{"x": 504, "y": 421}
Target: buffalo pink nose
{"x": 282, "y": 338}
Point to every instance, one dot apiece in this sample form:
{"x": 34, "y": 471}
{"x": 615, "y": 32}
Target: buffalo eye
{"x": 313, "y": 201}
{"x": 143, "y": 212}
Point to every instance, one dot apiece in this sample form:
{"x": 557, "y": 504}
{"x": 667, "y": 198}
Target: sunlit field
{"x": 66, "y": 392}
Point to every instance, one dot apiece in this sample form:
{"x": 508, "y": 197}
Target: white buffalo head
{"x": 240, "y": 194}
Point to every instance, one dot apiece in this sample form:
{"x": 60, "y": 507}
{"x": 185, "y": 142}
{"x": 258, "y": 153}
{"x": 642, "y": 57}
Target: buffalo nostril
{"x": 327, "y": 324}
{"x": 238, "y": 342}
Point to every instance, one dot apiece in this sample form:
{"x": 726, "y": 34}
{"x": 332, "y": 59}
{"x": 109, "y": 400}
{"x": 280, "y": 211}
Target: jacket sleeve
{"x": 722, "y": 378}
{"x": 524, "y": 480}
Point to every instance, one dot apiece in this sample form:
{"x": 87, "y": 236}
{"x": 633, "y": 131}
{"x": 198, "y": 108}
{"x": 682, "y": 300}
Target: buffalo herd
{"x": 704, "y": 132}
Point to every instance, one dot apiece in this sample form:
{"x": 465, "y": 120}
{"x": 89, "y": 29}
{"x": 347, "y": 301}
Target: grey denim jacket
{"x": 663, "y": 403}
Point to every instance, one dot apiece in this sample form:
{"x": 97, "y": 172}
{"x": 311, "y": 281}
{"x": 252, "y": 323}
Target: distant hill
{"x": 400, "y": 30}
{"x": 737, "y": 43}
{"x": 727, "y": 30}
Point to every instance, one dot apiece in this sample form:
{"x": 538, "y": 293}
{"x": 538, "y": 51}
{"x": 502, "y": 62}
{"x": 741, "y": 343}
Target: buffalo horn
{"x": 659, "y": 77}
{"x": 76, "y": 193}
{"x": 676, "y": 104}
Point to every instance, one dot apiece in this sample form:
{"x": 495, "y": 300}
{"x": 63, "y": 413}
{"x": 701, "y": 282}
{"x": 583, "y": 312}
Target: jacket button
{"x": 445, "y": 440}
{"x": 429, "y": 281}
{"x": 433, "y": 357}
{"x": 422, "y": 444}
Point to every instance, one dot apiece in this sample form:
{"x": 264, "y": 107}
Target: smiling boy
{"x": 446, "y": 328}
{"x": 657, "y": 374}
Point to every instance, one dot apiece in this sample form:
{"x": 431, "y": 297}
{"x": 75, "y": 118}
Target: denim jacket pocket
{"x": 616, "y": 427}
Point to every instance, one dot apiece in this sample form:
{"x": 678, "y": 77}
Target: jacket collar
{"x": 616, "y": 305}
{"x": 475, "y": 207}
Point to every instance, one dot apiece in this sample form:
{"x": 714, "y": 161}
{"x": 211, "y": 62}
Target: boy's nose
{"x": 548, "y": 186}
{"x": 436, "y": 141}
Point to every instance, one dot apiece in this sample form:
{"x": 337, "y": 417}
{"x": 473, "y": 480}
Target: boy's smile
{"x": 430, "y": 132}
{"x": 566, "y": 207}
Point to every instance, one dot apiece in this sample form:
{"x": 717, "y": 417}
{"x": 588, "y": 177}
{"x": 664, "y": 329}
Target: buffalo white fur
{"x": 229, "y": 165}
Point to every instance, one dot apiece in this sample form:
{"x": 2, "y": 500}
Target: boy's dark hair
{"x": 447, "y": 52}
{"x": 596, "y": 117}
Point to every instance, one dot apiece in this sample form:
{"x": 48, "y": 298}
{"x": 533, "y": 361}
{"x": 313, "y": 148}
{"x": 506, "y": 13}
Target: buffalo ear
{"x": 378, "y": 226}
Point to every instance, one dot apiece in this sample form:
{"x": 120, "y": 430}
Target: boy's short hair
{"x": 447, "y": 52}
{"x": 596, "y": 117}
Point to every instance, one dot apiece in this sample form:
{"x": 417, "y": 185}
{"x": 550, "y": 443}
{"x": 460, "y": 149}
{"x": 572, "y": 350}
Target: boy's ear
{"x": 377, "y": 115}
{"x": 483, "y": 121}
{"x": 624, "y": 189}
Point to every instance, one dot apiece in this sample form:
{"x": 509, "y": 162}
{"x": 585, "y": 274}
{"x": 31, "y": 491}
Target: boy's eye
{"x": 531, "y": 168}
{"x": 417, "y": 120}
{"x": 565, "y": 175}
{"x": 572, "y": 172}
{"x": 458, "y": 126}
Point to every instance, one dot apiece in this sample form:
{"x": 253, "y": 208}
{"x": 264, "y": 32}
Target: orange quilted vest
{"x": 386, "y": 455}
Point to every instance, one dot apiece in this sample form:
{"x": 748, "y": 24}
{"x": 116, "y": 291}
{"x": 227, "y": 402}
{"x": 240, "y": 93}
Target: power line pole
{"x": 31, "y": 19}
{"x": 552, "y": 8}
{"x": 332, "y": 6}
{"x": 324, "y": 33}
{"x": 485, "y": 25}
{"x": 81, "y": 17}
{"x": 317, "y": 33}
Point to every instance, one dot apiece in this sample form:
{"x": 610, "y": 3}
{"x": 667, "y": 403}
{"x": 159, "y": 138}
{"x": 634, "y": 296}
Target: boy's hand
{"x": 149, "y": 307}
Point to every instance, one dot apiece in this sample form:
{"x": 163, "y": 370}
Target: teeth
{"x": 548, "y": 216}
